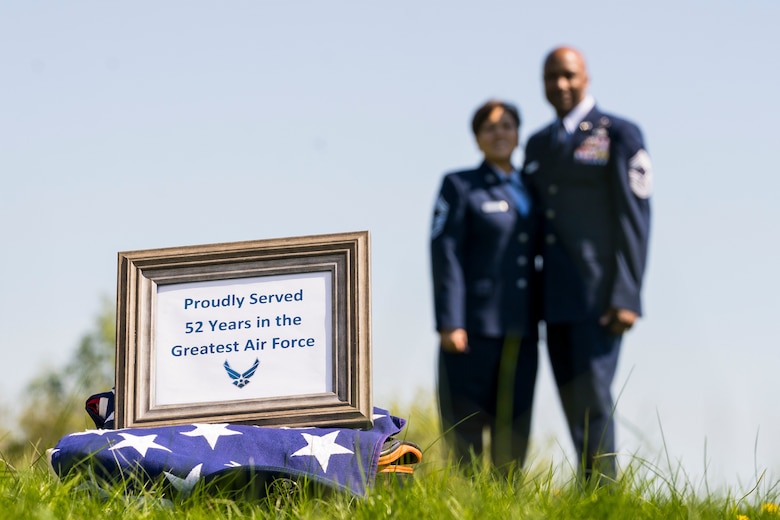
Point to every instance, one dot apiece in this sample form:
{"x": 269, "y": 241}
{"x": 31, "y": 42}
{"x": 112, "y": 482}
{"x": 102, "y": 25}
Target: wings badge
{"x": 241, "y": 379}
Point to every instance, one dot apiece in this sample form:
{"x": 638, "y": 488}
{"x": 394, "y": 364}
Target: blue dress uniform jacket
{"x": 594, "y": 203}
{"x": 483, "y": 282}
{"x": 481, "y": 257}
{"x": 593, "y": 190}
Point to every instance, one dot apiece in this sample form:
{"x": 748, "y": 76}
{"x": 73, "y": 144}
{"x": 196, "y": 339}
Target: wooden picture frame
{"x": 190, "y": 321}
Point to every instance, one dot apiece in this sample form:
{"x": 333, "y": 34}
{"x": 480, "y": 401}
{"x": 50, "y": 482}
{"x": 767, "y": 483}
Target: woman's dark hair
{"x": 482, "y": 113}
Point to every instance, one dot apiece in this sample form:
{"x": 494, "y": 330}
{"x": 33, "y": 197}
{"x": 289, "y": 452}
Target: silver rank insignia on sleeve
{"x": 640, "y": 175}
{"x": 440, "y": 212}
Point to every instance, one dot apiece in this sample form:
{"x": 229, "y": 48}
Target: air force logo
{"x": 241, "y": 379}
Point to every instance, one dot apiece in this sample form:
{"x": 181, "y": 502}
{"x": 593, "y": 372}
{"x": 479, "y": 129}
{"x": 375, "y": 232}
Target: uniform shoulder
{"x": 624, "y": 132}
{"x": 536, "y": 141}
{"x": 615, "y": 121}
{"x": 540, "y": 132}
{"x": 465, "y": 176}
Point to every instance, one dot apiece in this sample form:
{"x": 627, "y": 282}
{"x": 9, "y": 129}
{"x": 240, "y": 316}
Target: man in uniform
{"x": 592, "y": 178}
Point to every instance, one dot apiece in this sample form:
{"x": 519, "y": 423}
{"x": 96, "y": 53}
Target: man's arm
{"x": 633, "y": 187}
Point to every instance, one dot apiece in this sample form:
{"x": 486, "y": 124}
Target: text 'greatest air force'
{"x": 282, "y": 320}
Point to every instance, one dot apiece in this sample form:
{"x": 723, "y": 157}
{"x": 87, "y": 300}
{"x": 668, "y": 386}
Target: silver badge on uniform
{"x": 531, "y": 167}
{"x": 495, "y": 206}
{"x": 440, "y": 212}
{"x": 640, "y": 175}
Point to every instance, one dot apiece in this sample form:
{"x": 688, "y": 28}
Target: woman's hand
{"x": 455, "y": 341}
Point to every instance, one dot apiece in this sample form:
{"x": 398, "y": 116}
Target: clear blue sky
{"x": 150, "y": 124}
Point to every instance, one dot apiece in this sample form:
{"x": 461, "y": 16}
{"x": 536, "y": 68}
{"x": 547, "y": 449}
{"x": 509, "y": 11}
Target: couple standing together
{"x": 564, "y": 241}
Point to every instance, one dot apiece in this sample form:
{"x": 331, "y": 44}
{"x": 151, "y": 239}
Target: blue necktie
{"x": 561, "y": 135}
{"x": 519, "y": 194}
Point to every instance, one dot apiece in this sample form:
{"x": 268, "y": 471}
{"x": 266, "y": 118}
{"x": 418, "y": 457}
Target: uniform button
{"x": 552, "y": 189}
{"x": 522, "y": 283}
{"x": 550, "y": 214}
{"x": 522, "y": 260}
{"x": 550, "y": 239}
{"x": 522, "y": 237}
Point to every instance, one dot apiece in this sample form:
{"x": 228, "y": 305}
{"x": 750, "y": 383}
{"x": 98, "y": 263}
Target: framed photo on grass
{"x": 269, "y": 332}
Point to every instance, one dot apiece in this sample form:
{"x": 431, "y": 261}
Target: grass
{"x": 437, "y": 491}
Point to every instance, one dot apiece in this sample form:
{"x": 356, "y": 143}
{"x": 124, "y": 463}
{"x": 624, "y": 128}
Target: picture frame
{"x": 269, "y": 332}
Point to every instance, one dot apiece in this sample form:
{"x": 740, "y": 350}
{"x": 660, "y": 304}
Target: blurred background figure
{"x": 482, "y": 262}
{"x": 592, "y": 178}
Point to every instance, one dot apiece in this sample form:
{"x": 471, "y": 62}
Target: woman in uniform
{"x": 482, "y": 259}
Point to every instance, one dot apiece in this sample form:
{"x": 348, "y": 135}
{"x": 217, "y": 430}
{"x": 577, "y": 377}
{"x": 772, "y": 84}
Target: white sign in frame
{"x": 271, "y": 332}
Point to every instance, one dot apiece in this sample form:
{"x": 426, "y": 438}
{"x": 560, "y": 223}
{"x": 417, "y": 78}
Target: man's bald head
{"x": 565, "y": 79}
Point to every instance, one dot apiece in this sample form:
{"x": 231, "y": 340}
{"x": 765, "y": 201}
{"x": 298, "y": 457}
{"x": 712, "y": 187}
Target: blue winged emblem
{"x": 241, "y": 379}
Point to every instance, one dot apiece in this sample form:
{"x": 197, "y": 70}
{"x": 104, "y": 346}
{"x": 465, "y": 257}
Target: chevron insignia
{"x": 241, "y": 379}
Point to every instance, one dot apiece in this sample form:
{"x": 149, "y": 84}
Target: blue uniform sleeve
{"x": 447, "y": 254}
{"x": 633, "y": 189}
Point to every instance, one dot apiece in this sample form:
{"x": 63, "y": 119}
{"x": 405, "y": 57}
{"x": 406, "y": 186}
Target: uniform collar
{"x": 573, "y": 119}
{"x": 500, "y": 174}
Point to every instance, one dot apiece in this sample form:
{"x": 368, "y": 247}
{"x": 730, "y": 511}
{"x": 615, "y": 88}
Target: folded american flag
{"x": 184, "y": 455}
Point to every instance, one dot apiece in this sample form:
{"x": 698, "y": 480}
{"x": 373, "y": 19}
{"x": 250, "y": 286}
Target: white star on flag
{"x": 185, "y": 485}
{"x": 321, "y": 448}
{"x": 93, "y": 432}
{"x": 211, "y": 432}
{"x": 140, "y": 443}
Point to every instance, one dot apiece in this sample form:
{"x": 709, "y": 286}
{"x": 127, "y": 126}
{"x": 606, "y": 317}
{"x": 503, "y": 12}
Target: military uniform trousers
{"x": 491, "y": 388}
{"x": 584, "y": 357}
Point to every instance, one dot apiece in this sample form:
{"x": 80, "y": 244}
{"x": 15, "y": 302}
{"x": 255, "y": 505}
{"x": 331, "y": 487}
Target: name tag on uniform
{"x": 495, "y": 206}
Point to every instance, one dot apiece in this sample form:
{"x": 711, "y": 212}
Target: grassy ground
{"x": 438, "y": 491}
